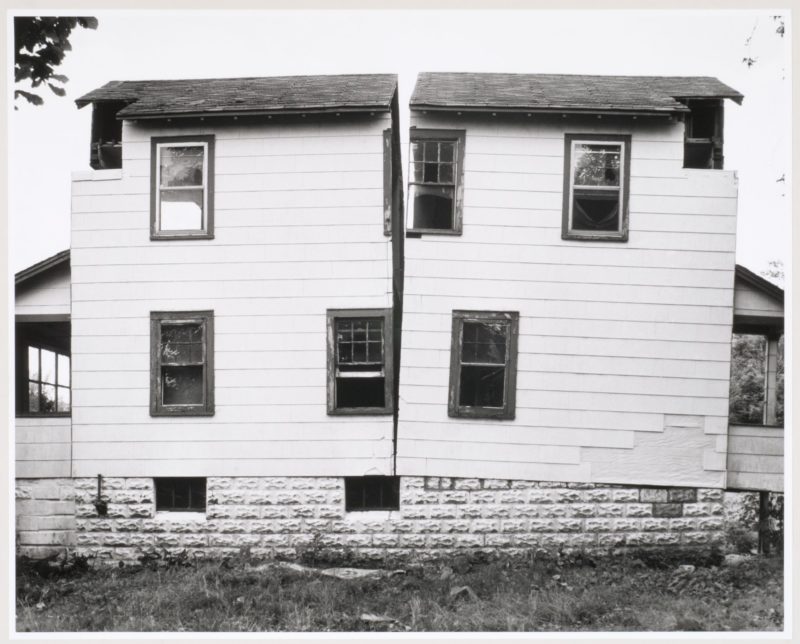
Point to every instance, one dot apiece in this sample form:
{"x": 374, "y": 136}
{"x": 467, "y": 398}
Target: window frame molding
{"x": 156, "y": 142}
{"x": 508, "y": 410}
{"x": 157, "y": 407}
{"x": 620, "y": 235}
{"x": 388, "y": 361}
{"x": 439, "y": 134}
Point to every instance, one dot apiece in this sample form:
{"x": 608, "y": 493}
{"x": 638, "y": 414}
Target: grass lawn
{"x": 631, "y": 593}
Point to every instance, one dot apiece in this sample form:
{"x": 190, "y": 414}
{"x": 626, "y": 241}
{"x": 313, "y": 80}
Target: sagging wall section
{"x": 280, "y": 516}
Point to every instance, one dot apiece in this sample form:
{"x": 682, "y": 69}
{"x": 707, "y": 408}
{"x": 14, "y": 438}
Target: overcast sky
{"x": 47, "y": 143}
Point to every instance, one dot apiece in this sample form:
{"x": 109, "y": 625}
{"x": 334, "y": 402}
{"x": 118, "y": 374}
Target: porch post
{"x": 771, "y": 380}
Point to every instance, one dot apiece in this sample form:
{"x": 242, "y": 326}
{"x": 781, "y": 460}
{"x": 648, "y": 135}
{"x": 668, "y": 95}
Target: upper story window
{"x": 48, "y": 382}
{"x": 436, "y": 184}
{"x": 596, "y": 178}
{"x": 182, "y": 363}
{"x": 182, "y": 176}
{"x": 483, "y": 364}
{"x": 360, "y": 362}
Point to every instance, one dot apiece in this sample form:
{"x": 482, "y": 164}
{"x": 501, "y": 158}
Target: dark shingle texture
{"x": 278, "y": 94}
{"x": 564, "y": 92}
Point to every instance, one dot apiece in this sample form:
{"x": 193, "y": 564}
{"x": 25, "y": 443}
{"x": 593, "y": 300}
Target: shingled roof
{"x": 565, "y": 93}
{"x": 278, "y": 94}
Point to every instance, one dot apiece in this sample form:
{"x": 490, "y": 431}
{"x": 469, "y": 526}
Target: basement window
{"x": 596, "y": 176}
{"x": 483, "y": 364}
{"x": 371, "y": 493}
{"x": 360, "y": 361}
{"x": 180, "y": 494}
{"x": 436, "y": 184}
{"x": 182, "y": 194}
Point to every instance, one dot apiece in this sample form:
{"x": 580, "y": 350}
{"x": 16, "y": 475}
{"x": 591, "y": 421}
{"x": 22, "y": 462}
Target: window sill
{"x": 46, "y": 415}
{"x": 178, "y": 414}
{"x": 612, "y": 237}
{"x": 181, "y": 236}
{"x": 360, "y": 412}
{"x": 474, "y": 412}
{"x": 182, "y": 516}
{"x": 419, "y": 232}
{"x": 371, "y": 515}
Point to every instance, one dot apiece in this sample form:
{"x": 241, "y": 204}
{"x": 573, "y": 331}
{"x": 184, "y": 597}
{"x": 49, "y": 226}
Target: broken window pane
{"x": 482, "y": 386}
{"x": 354, "y": 393}
{"x": 182, "y": 344}
{"x": 182, "y": 385}
{"x": 596, "y": 165}
{"x": 432, "y": 207}
{"x": 181, "y": 166}
{"x": 181, "y": 209}
{"x": 595, "y": 210}
{"x": 484, "y": 342}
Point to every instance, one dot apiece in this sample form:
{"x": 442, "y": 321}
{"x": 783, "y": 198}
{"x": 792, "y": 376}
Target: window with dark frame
{"x": 182, "y": 176}
{"x": 596, "y": 178}
{"x": 360, "y": 361}
{"x": 436, "y": 181}
{"x": 369, "y": 493}
{"x": 483, "y": 364}
{"x": 182, "y": 369}
{"x": 180, "y": 494}
{"x": 48, "y": 382}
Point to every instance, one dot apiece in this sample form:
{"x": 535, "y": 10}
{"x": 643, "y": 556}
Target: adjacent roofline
{"x": 759, "y": 283}
{"x": 41, "y": 267}
{"x": 656, "y": 111}
{"x": 349, "y": 109}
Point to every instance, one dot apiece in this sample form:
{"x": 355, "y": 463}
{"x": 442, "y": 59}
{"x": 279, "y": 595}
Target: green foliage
{"x": 747, "y": 518}
{"x": 40, "y": 45}
{"x": 747, "y": 379}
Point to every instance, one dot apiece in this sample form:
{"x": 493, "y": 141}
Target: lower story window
{"x": 483, "y": 367}
{"x": 48, "y": 382}
{"x": 360, "y": 361}
{"x": 371, "y": 493}
{"x": 180, "y": 494}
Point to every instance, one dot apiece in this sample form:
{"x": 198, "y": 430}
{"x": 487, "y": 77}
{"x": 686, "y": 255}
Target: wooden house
{"x": 260, "y": 348}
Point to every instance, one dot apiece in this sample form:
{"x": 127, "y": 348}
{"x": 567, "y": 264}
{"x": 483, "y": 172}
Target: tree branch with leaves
{"x": 40, "y": 45}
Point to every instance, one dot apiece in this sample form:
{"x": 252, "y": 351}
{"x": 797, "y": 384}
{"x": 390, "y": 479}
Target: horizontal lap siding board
{"x": 298, "y": 229}
{"x": 614, "y": 338}
{"x": 755, "y": 457}
{"x": 46, "y": 295}
{"x": 42, "y": 447}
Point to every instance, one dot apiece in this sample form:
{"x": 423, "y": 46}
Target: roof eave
{"x": 656, "y": 111}
{"x": 759, "y": 283}
{"x": 42, "y": 267}
{"x": 350, "y": 109}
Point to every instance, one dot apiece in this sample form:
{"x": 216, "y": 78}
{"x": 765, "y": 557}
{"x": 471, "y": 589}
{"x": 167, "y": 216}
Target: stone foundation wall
{"x": 437, "y": 517}
{"x": 45, "y": 516}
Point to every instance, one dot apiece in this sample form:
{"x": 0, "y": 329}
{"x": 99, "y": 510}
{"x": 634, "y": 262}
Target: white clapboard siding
{"x": 42, "y": 447}
{"x": 587, "y": 308}
{"x": 553, "y": 252}
{"x": 756, "y": 458}
{"x": 616, "y": 340}
{"x": 426, "y": 363}
{"x": 45, "y": 295}
{"x": 205, "y": 252}
{"x": 298, "y": 229}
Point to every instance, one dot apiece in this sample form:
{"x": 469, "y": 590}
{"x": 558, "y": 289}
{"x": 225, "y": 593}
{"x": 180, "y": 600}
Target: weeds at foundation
{"x": 537, "y": 590}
